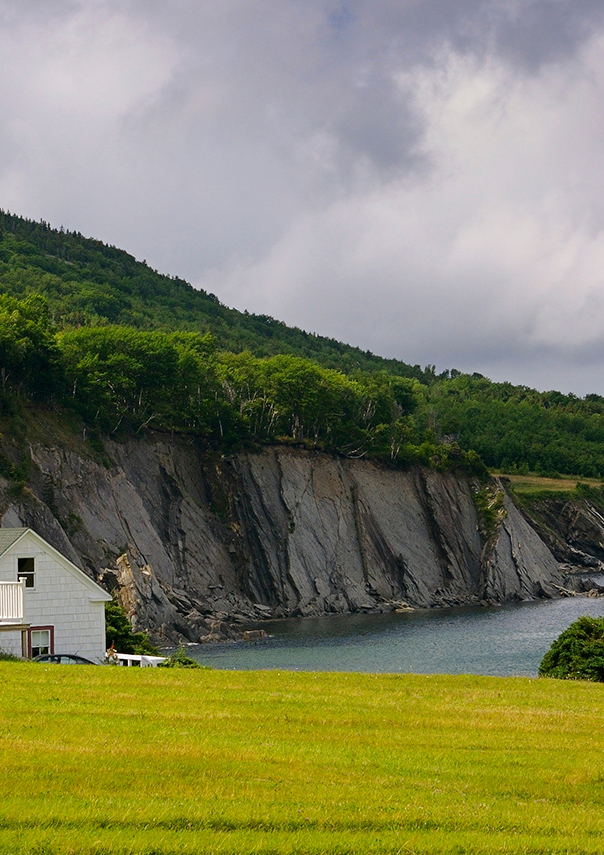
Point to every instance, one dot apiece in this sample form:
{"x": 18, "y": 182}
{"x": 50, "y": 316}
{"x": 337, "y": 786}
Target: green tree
{"x": 120, "y": 375}
{"x": 29, "y": 359}
{"x": 120, "y": 635}
{"x": 578, "y": 653}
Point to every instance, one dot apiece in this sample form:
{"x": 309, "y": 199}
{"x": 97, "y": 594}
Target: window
{"x": 40, "y": 641}
{"x": 25, "y": 570}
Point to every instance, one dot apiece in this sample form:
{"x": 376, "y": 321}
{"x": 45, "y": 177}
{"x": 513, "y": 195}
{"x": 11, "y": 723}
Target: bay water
{"x": 502, "y": 641}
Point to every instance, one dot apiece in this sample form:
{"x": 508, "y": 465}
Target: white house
{"x": 47, "y": 604}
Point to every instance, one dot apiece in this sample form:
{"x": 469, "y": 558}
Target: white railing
{"x": 12, "y": 602}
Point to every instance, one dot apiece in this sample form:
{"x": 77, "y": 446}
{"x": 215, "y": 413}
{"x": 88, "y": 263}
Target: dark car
{"x": 62, "y": 659}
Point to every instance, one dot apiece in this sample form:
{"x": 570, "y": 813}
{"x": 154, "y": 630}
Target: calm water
{"x": 505, "y": 641}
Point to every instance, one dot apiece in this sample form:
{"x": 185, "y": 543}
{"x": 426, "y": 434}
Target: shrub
{"x": 578, "y": 653}
{"x": 179, "y": 659}
{"x": 490, "y": 507}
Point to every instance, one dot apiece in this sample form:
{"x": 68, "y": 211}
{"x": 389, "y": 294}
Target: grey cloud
{"x": 380, "y": 125}
{"x": 419, "y": 178}
{"x": 525, "y": 32}
{"x": 540, "y": 31}
{"x": 27, "y": 11}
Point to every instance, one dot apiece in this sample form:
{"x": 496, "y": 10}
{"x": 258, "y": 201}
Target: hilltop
{"x": 88, "y": 283}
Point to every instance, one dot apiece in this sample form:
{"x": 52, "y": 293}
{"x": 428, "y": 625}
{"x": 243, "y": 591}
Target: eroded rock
{"x": 195, "y": 544}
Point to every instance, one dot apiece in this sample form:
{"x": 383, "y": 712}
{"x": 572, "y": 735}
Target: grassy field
{"x": 102, "y": 760}
{"x": 531, "y": 483}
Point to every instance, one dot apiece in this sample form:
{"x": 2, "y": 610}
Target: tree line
{"x": 518, "y": 429}
{"x": 85, "y": 326}
{"x": 121, "y": 380}
{"x": 87, "y": 283}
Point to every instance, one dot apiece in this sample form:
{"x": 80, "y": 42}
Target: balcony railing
{"x": 12, "y": 603}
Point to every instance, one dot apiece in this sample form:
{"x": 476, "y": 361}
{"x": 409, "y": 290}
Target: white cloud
{"x": 75, "y": 79}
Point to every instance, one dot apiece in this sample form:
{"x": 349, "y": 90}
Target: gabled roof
{"x": 10, "y": 536}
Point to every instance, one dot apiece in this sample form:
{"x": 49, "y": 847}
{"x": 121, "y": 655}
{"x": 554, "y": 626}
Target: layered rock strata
{"x": 193, "y": 542}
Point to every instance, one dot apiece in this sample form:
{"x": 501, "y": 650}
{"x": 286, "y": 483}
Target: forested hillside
{"x": 87, "y": 329}
{"x": 518, "y": 429}
{"x": 87, "y": 283}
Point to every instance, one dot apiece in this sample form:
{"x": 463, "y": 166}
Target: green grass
{"x": 534, "y": 483}
{"x": 102, "y": 760}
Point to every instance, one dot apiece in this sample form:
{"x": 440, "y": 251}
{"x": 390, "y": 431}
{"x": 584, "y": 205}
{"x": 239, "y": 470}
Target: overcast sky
{"x": 422, "y": 178}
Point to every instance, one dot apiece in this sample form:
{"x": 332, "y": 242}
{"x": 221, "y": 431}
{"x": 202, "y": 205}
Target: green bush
{"x": 179, "y": 659}
{"x": 489, "y": 503}
{"x": 578, "y": 653}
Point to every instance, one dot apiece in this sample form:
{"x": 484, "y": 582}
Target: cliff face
{"x": 572, "y": 528}
{"x": 190, "y": 540}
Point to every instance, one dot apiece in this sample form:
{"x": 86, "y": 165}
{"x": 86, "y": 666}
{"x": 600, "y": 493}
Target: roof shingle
{"x": 8, "y": 536}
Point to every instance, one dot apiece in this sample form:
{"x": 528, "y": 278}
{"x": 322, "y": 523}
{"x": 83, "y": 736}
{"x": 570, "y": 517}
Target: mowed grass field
{"x": 108, "y": 760}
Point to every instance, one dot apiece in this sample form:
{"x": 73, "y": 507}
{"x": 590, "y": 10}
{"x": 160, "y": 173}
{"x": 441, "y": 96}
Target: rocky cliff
{"x": 194, "y": 543}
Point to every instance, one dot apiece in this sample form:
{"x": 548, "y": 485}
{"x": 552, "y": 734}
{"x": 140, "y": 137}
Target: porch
{"x": 12, "y": 611}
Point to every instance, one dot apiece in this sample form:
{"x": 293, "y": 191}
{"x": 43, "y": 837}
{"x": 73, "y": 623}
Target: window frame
{"x": 51, "y": 639}
{"x": 27, "y": 574}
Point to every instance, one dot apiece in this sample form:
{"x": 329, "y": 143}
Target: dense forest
{"x": 87, "y": 329}
{"x": 517, "y": 429}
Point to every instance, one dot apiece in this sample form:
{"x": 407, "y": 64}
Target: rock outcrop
{"x": 193, "y": 542}
{"x": 573, "y": 529}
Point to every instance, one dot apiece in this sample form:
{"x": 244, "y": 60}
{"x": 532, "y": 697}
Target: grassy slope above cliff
{"x": 106, "y": 760}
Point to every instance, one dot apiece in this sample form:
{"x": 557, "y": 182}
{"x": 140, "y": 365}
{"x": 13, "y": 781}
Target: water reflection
{"x": 505, "y": 641}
